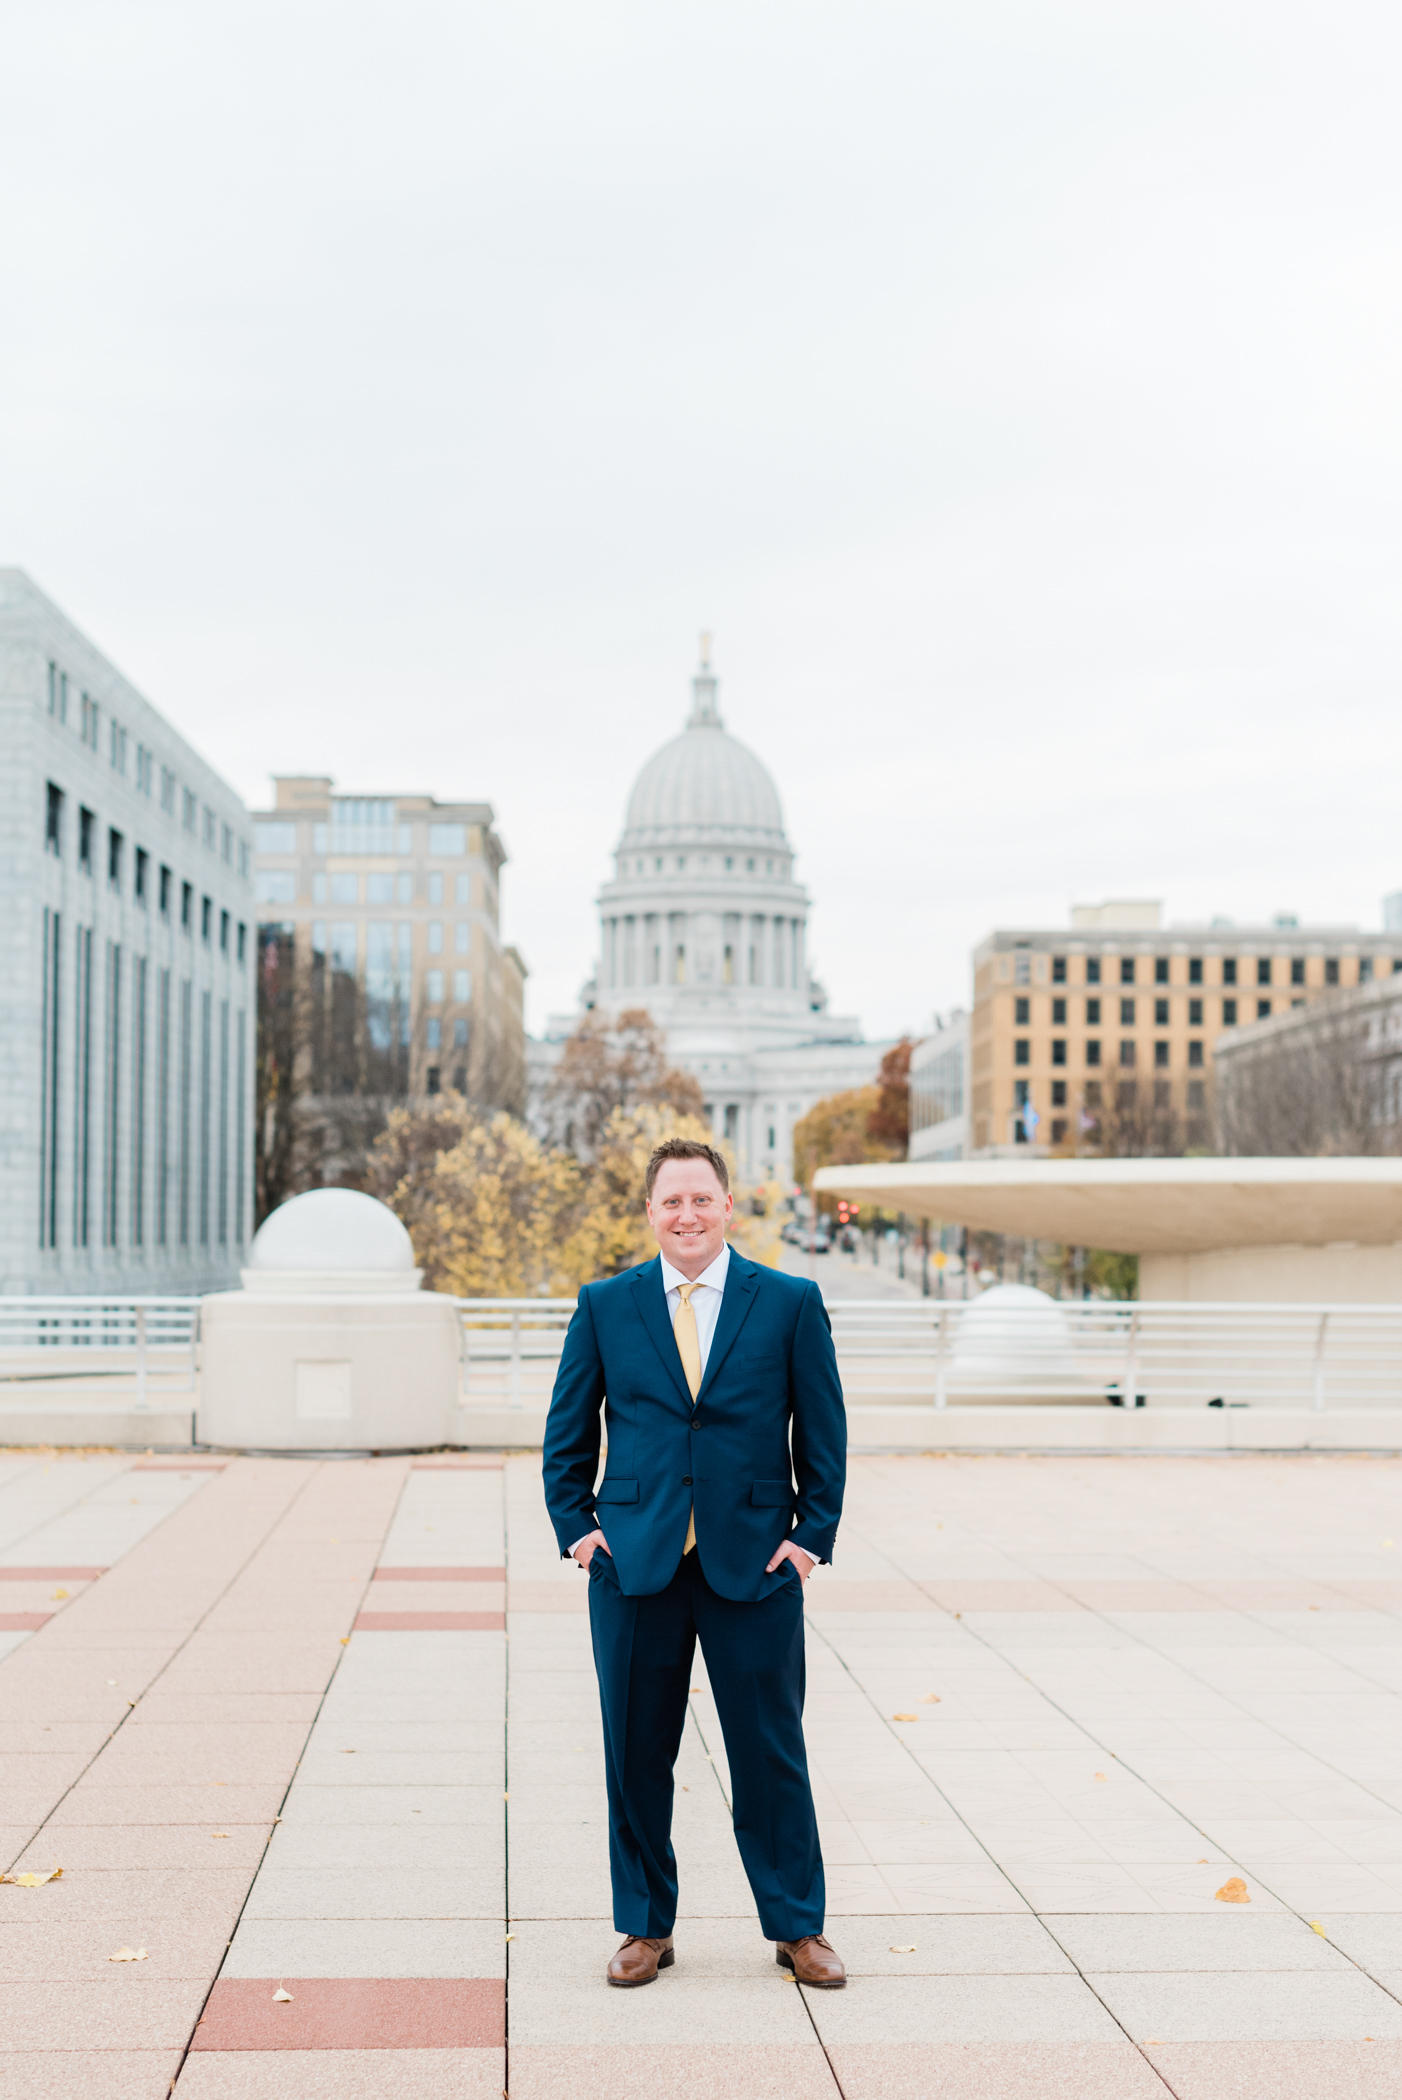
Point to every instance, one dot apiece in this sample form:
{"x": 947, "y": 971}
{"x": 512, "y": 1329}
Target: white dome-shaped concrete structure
{"x": 1013, "y": 1328}
{"x": 333, "y": 1229}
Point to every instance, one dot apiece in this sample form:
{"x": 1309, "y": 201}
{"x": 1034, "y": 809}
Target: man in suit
{"x": 716, "y": 1374}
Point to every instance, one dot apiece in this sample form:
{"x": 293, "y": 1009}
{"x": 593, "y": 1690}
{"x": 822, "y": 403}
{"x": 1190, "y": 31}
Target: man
{"x": 715, "y": 1371}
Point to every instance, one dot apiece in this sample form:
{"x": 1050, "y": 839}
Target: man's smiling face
{"x": 688, "y": 1211}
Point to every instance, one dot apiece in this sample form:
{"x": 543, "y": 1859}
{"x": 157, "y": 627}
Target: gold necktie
{"x": 689, "y": 1350}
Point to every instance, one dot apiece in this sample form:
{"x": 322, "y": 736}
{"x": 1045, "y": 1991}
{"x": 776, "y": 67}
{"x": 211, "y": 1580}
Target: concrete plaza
{"x": 317, "y": 1743}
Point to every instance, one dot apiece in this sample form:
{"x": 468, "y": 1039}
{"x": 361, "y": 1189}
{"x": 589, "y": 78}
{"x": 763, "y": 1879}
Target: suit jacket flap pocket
{"x": 771, "y": 1494}
{"x": 616, "y": 1491}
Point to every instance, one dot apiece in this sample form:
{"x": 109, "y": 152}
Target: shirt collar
{"x": 713, "y": 1278}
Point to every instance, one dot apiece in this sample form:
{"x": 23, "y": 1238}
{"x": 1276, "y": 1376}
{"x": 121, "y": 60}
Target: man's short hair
{"x": 686, "y": 1148}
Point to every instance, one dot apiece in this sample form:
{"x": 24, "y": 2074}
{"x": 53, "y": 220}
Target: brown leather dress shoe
{"x": 638, "y": 1961}
{"x": 812, "y": 1961}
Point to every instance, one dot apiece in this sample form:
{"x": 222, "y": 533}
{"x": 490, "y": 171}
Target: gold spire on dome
{"x": 704, "y": 714}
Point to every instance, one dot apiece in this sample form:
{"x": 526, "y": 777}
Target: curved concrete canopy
{"x": 1145, "y": 1206}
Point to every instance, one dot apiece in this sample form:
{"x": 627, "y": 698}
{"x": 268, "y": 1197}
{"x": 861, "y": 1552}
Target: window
{"x": 1197, "y": 1094}
{"x": 243, "y": 877}
{"x": 145, "y": 770}
{"x": 226, "y": 845}
{"x": 447, "y": 838}
{"x": 435, "y": 937}
{"x": 1058, "y": 1093}
{"x": 432, "y": 1079}
{"x": 1022, "y": 1012}
{"x": 679, "y": 964}
{"x": 1058, "y": 1136}
{"x": 345, "y": 889}
{"x": 275, "y": 886}
{"x": 143, "y": 862}
{"x": 243, "y": 940}
{"x": 1058, "y": 969}
{"x": 163, "y": 892}
{"x": 462, "y": 987}
{"x": 1058, "y": 1050}
{"x": 223, "y": 933}
{"x": 1331, "y": 969}
{"x": 379, "y": 889}
{"x": 117, "y": 747}
{"x": 1263, "y": 969}
{"x": 1163, "y": 1093}
{"x": 187, "y": 907}
{"x": 1092, "y": 969}
{"x": 1195, "y": 1013}
{"x": 1058, "y": 1013}
{"x": 1263, "y": 1008}
{"x": 275, "y": 838}
{"x": 87, "y": 825}
{"x": 462, "y": 937}
{"x": 435, "y": 888}
{"x": 189, "y": 809}
{"x": 1195, "y": 969}
{"x": 90, "y": 721}
{"x": 167, "y": 791}
{"x": 115, "y": 843}
{"x": 211, "y": 828}
{"x": 433, "y": 1033}
{"x": 1127, "y": 1053}
{"x": 1126, "y": 1014}
{"x": 1229, "y": 1013}
{"x": 681, "y": 862}
{"x": 1297, "y": 969}
{"x": 206, "y": 917}
{"x": 1022, "y": 967}
{"x": 1092, "y": 1052}
{"x": 1229, "y": 969}
{"x": 1092, "y": 1013}
{"x": 53, "y": 817}
{"x": 58, "y": 708}
{"x": 1161, "y": 1057}
{"x": 1092, "y": 1096}
{"x": 1365, "y": 968}
{"x": 1161, "y": 969}
{"x": 462, "y": 887}
{"x": 1022, "y": 1051}
{"x": 1161, "y": 1013}
{"x": 1195, "y": 1053}
{"x": 460, "y": 1035}
{"x": 433, "y": 987}
{"x": 404, "y": 889}
{"x": 1126, "y": 969}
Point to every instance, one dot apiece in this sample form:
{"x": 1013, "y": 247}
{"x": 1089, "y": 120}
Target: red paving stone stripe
{"x": 24, "y": 1621}
{"x": 51, "y": 1574}
{"x": 431, "y": 1622}
{"x": 384, "y": 1574}
{"x": 354, "y": 2013}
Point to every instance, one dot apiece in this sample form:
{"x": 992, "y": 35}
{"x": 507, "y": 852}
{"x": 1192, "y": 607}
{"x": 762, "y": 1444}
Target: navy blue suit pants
{"x": 643, "y": 1649}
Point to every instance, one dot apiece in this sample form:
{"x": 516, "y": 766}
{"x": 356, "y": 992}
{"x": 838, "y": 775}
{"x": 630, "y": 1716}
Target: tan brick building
{"x": 402, "y": 893}
{"x": 1119, "y": 1014}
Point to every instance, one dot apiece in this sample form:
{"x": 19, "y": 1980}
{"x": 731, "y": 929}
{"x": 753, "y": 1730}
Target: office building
{"x": 1117, "y": 1016}
{"x": 399, "y": 896}
{"x": 126, "y": 1033}
{"x": 939, "y": 1090}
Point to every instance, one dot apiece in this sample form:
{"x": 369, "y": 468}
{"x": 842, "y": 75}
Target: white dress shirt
{"x": 705, "y": 1303}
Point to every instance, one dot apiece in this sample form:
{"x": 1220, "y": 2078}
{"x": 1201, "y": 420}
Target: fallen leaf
{"x": 686, "y": 1789}
{"x": 345, "y": 1640}
{"x": 111, "y": 1680}
{"x": 696, "y": 1688}
{"x": 1233, "y": 1891}
{"x": 1101, "y": 1776}
{"x": 61, "y": 1593}
{"x": 511, "y": 1935}
{"x": 905, "y": 1717}
{"x": 1315, "y": 1926}
{"x": 128, "y": 1954}
{"x": 282, "y": 1997}
{"x": 1204, "y": 1862}
{"x": 220, "y": 1833}
{"x": 931, "y": 1699}
{"x": 903, "y": 1950}
{"x": 32, "y": 1881}
{"x": 348, "y": 1753}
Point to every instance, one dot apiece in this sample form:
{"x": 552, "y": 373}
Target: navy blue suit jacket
{"x": 771, "y": 1387}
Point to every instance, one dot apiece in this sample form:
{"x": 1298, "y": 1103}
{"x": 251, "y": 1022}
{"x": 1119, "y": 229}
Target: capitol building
{"x": 705, "y": 924}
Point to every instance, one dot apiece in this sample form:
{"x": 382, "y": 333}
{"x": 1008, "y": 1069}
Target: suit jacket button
{"x": 686, "y": 1480}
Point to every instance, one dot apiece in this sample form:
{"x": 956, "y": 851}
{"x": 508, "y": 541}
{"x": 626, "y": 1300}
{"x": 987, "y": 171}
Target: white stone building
{"x": 705, "y": 924}
{"x": 127, "y": 1026}
{"x": 939, "y": 1090}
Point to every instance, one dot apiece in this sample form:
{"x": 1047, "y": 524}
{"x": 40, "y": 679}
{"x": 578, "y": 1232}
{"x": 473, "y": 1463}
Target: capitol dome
{"x": 704, "y": 789}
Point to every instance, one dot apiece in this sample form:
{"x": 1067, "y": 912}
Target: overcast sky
{"x": 394, "y": 391}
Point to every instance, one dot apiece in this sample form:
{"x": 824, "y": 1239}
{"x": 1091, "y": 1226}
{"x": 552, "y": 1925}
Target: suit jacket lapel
{"x": 651, "y": 1302}
{"x": 736, "y": 1300}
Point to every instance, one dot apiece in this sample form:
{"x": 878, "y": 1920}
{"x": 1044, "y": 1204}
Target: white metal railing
{"x": 1093, "y": 1352}
{"x": 149, "y": 1340}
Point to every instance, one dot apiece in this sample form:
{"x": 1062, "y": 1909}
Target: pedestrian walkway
{"x": 1106, "y": 1754}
